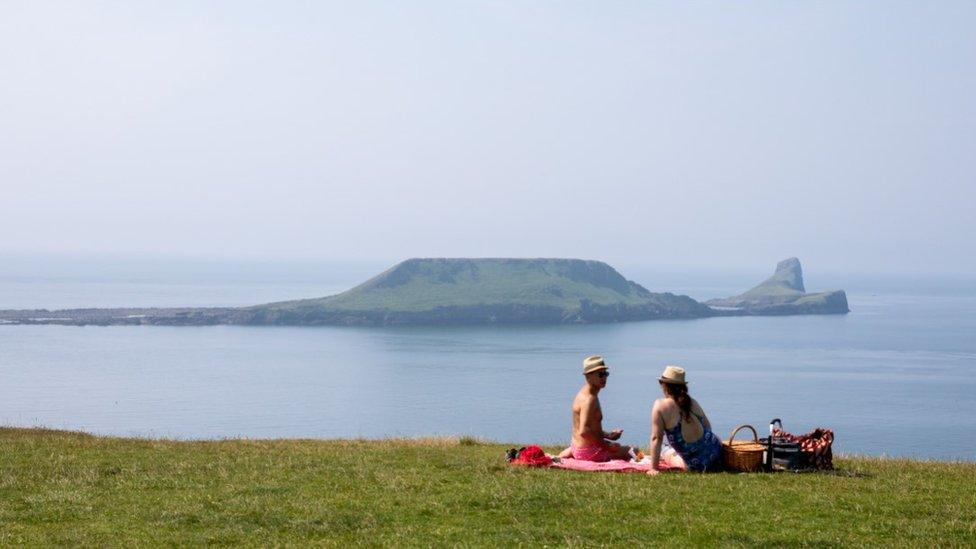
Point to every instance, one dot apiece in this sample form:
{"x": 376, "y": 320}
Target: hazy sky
{"x": 673, "y": 134}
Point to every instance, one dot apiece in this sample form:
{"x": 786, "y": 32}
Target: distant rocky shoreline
{"x": 475, "y": 292}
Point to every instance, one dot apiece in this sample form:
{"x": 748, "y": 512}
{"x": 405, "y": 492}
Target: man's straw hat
{"x": 673, "y": 374}
{"x": 593, "y": 364}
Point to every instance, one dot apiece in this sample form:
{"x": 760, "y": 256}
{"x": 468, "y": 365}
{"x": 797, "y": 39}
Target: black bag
{"x": 815, "y": 448}
{"x": 782, "y": 454}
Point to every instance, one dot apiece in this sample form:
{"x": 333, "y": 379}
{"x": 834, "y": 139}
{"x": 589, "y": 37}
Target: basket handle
{"x": 755, "y": 435}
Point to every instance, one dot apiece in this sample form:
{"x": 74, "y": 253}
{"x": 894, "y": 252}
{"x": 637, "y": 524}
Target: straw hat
{"x": 673, "y": 374}
{"x": 593, "y": 364}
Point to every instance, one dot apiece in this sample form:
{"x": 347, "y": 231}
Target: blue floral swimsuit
{"x": 701, "y": 455}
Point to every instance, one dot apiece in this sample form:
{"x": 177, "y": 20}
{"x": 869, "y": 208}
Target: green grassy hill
{"x": 61, "y": 488}
{"x": 475, "y": 291}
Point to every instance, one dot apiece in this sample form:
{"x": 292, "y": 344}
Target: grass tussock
{"x": 60, "y": 488}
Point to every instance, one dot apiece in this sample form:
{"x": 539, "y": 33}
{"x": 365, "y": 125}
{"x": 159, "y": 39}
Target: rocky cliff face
{"x": 783, "y": 294}
{"x": 788, "y": 274}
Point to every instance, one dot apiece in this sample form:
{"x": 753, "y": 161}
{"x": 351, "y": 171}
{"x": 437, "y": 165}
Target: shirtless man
{"x": 590, "y": 441}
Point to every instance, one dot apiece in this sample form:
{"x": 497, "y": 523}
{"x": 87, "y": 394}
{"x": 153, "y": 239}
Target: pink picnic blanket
{"x": 614, "y": 465}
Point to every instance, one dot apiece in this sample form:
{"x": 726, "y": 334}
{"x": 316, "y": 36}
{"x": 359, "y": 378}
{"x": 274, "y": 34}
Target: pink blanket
{"x": 614, "y": 465}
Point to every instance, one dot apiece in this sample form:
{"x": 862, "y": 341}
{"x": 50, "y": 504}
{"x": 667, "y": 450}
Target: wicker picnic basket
{"x": 743, "y": 455}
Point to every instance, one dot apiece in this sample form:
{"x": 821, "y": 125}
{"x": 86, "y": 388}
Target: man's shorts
{"x": 596, "y": 452}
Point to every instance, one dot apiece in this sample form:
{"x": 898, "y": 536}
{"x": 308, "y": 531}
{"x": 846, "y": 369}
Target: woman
{"x": 677, "y": 416}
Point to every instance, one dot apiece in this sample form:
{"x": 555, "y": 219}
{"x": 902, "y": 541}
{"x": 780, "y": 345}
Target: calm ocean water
{"x": 897, "y": 376}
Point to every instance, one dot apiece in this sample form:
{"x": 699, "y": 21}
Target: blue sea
{"x": 895, "y": 377}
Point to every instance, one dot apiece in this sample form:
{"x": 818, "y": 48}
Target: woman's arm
{"x": 657, "y": 432}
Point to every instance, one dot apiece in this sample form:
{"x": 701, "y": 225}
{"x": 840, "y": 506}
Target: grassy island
{"x": 784, "y": 294}
{"x": 432, "y": 292}
{"x": 64, "y": 488}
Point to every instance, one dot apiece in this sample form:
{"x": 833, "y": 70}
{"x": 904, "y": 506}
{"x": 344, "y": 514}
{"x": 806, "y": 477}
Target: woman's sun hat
{"x": 673, "y": 374}
{"x": 593, "y": 364}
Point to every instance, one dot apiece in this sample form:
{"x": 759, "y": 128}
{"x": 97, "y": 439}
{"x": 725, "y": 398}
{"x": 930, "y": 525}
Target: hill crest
{"x": 453, "y": 270}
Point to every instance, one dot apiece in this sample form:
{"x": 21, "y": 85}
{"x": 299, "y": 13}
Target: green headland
{"x": 482, "y": 291}
{"x": 784, "y": 293}
{"x": 452, "y": 291}
{"x": 71, "y": 489}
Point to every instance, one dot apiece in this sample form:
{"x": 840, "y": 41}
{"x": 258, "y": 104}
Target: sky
{"x": 667, "y": 134}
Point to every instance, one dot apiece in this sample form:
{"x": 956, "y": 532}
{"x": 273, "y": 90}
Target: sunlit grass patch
{"x": 59, "y": 488}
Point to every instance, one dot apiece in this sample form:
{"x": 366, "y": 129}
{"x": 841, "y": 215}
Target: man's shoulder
{"x": 584, "y": 397}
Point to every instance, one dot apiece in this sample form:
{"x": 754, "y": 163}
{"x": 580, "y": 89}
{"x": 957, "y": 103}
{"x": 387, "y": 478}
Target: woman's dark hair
{"x": 679, "y": 392}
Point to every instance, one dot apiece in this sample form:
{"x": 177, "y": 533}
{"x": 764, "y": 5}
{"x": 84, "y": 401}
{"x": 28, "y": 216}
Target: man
{"x": 590, "y": 441}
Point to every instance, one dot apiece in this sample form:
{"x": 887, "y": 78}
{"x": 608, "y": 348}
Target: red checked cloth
{"x": 815, "y": 446}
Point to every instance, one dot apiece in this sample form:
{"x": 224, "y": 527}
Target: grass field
{"x": 60, "y": 488}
